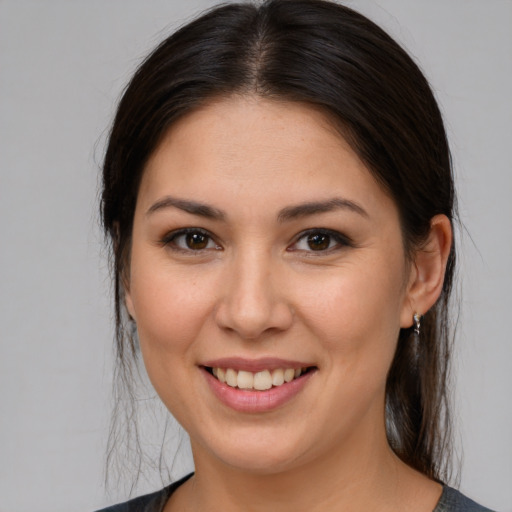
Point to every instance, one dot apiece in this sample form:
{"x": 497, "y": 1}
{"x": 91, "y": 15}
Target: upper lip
{"x": 255, "y": 365}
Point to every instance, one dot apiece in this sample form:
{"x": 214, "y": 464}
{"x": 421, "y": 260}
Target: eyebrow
{"x": 315, "y": 207}
{"x": 193, "y": 207}
{"x": 286, "y": 214}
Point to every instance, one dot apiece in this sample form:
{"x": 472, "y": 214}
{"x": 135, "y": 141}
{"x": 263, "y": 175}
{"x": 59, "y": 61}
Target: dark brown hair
{"x": 331, "y": 57}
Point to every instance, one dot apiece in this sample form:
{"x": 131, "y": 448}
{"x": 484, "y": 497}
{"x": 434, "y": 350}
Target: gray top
{"x": 451, "y": 501}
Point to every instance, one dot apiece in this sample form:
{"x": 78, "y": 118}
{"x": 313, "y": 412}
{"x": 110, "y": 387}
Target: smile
{"x": 256, "y": 386}
{"x": 258, "y": 381}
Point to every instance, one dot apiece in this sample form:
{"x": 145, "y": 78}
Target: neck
{"x": 351, "y": 479}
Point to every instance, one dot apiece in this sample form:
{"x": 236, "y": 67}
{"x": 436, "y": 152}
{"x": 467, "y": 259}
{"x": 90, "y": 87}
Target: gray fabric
{"x": 154, "y": 502}
{"x": 451, "y": 501}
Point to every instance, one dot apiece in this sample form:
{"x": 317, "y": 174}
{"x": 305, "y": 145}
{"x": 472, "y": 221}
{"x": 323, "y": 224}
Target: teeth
{"x": 260, "y": 381}
{"x": 278, "y": 377}
{"x": 289, "y": 374}
{"x": 231, "y": 378}
{"x": 245, "y": 380}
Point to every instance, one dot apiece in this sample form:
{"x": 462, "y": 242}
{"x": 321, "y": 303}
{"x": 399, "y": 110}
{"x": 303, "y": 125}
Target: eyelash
{"x": 170, "y": 240}
{"x": 333, "y": 236}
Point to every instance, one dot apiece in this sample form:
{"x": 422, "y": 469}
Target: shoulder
{"x": 454, "y": 501}
{"x": 153, "y": 502}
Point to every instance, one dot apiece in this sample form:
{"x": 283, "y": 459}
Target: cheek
{"x": 356, "y": 311}
{"x": 172, "y": 307}
{"x": 172, "y": 311}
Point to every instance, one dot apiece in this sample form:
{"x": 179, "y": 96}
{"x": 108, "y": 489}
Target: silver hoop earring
{"x": 417, "y": 323}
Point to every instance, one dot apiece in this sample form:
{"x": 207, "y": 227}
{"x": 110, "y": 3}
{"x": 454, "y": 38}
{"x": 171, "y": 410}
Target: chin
{"x": 255, "y": 455}
{"x": 258, "y": 463}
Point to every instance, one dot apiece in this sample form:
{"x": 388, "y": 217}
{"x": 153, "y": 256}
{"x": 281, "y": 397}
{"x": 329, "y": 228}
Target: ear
{"x": 129, "y": 303}
{"x": 124, "y": 275}
{"x": 427, "y": 270}
{"x": 127, "y": 296}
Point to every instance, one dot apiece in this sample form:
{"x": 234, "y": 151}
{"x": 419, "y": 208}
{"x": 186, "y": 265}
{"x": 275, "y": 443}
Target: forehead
{"x": 257, "y": 149}
{"x": 239, "y": 121}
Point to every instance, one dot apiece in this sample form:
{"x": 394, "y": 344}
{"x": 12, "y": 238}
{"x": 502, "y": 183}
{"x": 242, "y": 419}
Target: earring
{"x": 417, "y": 323}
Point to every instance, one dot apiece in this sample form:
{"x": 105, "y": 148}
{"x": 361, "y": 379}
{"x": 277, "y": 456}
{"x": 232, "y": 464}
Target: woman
{"x": 279, "y": 197}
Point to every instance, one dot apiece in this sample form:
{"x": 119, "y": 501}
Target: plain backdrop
{"x": 63, "y": 65}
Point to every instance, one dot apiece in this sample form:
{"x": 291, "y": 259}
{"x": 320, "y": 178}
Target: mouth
{"x": 257, "y": 385}
{"x": 262, "y": 380}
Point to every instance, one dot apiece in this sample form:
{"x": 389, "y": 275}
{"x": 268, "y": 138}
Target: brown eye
{"x": 191, "y": 240}
{"x": 318, "y": 241}
{"x": 196, "y": 241}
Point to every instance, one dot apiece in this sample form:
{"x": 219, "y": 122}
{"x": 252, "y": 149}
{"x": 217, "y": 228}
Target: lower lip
{"x": 256, "y": 401}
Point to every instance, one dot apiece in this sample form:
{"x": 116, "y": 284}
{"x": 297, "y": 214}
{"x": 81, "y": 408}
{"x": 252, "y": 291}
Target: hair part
{"x": 333, "y": 58}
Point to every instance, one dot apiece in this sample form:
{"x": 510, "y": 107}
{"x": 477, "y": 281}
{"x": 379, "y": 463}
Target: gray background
{"x": 62, "y": 67}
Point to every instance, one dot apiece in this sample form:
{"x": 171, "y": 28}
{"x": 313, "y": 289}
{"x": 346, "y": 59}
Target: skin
{"x": 257, "y": 289}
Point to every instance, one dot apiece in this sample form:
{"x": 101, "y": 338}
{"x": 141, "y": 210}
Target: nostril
{"x": 251, "y": 320}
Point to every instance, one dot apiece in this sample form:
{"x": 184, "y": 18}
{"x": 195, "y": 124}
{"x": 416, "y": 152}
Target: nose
{"x": 253, "y": 301}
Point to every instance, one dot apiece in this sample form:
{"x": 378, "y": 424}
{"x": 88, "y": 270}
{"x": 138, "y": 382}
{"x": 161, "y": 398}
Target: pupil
{"x": 196, "y": 241}
{"x": 318, "y": 242}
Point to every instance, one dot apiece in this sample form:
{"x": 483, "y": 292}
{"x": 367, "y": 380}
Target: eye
{"x": 319, "y": 240}
{"x": 191, "y": 239}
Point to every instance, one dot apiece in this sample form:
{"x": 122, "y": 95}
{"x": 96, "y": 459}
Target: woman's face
{"x": 261, "y": 246}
